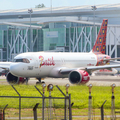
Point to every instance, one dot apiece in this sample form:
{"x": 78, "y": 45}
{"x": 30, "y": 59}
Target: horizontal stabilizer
{"x": 111, "y": 59}
{"x": 93, "y": 68}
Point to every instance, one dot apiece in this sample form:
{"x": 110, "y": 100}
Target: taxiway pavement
{"x": 95, "y": 80}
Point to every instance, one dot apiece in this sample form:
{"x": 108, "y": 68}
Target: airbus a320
{"x": 76, "y": 66}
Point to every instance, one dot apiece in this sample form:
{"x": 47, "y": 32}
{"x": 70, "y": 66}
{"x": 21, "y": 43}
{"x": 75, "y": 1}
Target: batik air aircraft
{"x": 76, "y": 66}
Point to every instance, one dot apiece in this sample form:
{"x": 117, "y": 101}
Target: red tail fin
{"x": 100, "y": 44}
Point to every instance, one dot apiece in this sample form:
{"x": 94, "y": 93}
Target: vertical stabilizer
{"x": 100, "y": 44}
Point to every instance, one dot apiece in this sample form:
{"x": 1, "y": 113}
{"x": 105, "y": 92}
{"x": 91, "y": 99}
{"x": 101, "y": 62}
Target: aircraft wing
{"x": 89, "y": 69}
{"x": 5, "y": 65}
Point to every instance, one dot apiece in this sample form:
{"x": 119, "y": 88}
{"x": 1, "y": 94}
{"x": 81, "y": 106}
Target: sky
{"x": 26, "y": 4}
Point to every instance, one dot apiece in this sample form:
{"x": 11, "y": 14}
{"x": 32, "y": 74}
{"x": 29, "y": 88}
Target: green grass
{"x": 79, "y": 95}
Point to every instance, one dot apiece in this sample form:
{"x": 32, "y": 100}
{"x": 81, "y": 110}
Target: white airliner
{"x": 76, "y": 66}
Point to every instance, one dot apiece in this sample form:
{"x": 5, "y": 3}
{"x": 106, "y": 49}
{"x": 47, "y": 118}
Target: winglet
{"x": 100, "y": 44}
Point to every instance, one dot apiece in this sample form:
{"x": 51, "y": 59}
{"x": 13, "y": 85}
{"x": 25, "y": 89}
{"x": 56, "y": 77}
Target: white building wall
{"x": 113, "y": 40}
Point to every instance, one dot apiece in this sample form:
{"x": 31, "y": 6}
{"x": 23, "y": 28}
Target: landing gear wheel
{"x": 26, "y": 80}
{"x": 43, "y": 82}
{"x": 39, "y": 83}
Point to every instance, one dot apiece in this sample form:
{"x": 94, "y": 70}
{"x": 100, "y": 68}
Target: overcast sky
{"x": 21, "y": 4}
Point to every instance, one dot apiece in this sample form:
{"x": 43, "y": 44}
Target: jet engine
{"x": 11, "y": 79}
{"x": 79, "y": 77}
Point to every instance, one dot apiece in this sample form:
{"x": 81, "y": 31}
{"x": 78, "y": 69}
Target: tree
{"x": 40, "y": 6}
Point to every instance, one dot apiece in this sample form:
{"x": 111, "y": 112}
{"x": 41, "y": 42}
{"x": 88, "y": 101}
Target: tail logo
{"x": 100, "y": 43}
{"x": 100, "y": 40}
{"x": 97, "y": 48}
{"x": 103, "y": 31}
{"x": 106, "y": 23}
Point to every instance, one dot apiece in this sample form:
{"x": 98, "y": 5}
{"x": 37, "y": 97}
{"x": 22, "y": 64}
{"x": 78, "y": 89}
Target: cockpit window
{"x": 22, "y": 60}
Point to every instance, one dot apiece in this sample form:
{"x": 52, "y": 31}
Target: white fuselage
{"x": 46, "y": 64}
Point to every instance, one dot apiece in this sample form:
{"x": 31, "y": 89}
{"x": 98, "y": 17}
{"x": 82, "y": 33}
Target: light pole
{"x": 31, "y": 42}
{"x": 51, "y": 6}
{"x": 90, "y": 103}
{"x": 113, "y": 102}
{"x": 94, "y": 8}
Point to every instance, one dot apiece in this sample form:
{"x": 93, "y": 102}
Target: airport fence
{"x": 55, "y": 108}
{"x": 46, "y": 108}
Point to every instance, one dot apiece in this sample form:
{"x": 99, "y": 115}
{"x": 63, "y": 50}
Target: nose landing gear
{"x": 39, "y": 81}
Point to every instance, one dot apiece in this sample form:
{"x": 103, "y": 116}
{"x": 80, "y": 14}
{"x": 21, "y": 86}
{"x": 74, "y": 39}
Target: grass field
{"x": 79, "y": 96}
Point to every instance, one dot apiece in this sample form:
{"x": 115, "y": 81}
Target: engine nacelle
{"x": 11, "y": 79}
{"x": 79, "y": 77}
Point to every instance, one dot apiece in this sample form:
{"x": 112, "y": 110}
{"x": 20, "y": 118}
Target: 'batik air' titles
{"x": 48, "y": 62}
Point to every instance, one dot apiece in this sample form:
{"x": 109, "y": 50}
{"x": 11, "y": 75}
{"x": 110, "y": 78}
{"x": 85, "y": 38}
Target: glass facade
{"x": 53, "y": 37}
{"x": 1, "y": 38}
{"x": 67, "y": 35}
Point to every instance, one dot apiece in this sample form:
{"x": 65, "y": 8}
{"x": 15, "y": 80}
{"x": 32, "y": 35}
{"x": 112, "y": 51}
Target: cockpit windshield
{"x": 22, "y": 60}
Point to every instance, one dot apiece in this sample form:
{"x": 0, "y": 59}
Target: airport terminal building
{"x": 59, "y": 29}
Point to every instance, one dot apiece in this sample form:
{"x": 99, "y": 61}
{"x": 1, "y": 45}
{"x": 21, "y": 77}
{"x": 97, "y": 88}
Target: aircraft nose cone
{"x": 13, "y": 68}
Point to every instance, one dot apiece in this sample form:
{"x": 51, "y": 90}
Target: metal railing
{"x": 67, "y": 104}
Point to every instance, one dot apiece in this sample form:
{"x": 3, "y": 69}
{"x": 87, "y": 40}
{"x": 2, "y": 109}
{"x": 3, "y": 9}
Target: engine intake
{"x": 11, "y": 79}
{"x": 79, "y": 77}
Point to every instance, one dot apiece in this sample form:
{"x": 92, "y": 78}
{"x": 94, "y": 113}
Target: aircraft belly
{"x": 54, "y": 72}
{"x": 42, "y": 72}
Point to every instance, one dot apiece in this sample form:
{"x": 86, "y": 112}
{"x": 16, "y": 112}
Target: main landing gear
{"x": 38, "y": 83}
{"x": 26, "y": 80}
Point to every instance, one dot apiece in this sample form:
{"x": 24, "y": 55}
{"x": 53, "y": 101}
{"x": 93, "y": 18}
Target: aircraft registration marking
{"x": 30, "y": 67}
